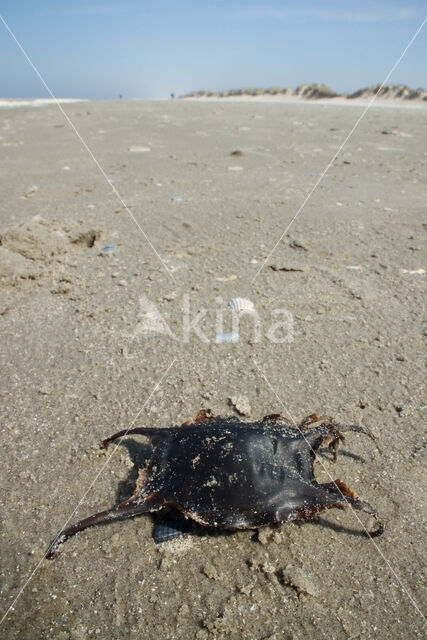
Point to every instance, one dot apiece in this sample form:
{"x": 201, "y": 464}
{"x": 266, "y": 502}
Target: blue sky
{"x": 146, "y": 49}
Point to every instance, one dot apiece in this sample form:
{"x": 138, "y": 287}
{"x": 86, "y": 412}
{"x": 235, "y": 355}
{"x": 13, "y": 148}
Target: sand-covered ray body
{"x": 225, "y": 473}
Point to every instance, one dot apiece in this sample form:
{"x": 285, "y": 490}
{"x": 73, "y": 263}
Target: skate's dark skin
{"x": 229, "y": 474}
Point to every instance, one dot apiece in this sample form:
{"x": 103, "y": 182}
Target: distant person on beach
{"x": 172, "y": 95}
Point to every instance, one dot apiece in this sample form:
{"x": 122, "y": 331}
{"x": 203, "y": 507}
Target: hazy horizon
{"x": 101, "y": 49}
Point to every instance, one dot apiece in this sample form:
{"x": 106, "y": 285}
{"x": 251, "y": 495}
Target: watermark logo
{"x": 232, "y": 321}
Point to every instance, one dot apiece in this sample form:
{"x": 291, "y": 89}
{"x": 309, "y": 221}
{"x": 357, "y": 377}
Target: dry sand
{"x": 78, "y": 362}
{"x": 341, "y": 101}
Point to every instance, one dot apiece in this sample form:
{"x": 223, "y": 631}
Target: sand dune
{"x": 396, "y": 94}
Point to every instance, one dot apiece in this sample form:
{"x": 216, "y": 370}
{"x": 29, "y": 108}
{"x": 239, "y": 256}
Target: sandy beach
{"x": 94, "y": 310}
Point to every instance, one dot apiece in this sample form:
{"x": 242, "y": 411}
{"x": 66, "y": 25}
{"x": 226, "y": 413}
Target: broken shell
{"x": 109, "y": 248}
{"x": 227, "y": 278}
{"x": 420, "y": 272}
{"x": 240, "y": 305}
{"x": 170, "y": 526}
{"x": 139, "y": 149}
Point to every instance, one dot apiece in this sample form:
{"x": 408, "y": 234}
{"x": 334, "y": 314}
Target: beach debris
{"x": 45, "y": 390}
{"x": 87, "y": 238}
{"x": 419, "y": 272}
{"x": 109, "y": 248}
{"x": 237, "y": 152}
{"x": 241, "y": 404}
{"x": 354, "y": 267}
{"x": 235, "y": 168}
{"x": 227, "y": 337}
{"x": 395, "y": 132}
{"x": 176, "y": 199}
{"x": 286, "y": 269}
{"x": 240, "y": 305}
{"x": 296, "y": 244}
{"x": 31, "y": 191}
{"x": 139, "y": 149}
{"x": 224, "y": 473}
{"x": 169, "y": 296}
{"x": 227, "y": 278}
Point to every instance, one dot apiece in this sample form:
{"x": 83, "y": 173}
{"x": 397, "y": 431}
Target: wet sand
{"x": 80, "y": 358}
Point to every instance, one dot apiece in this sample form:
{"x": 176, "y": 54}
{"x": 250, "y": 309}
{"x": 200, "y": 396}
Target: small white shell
{"x": 240, "y": 304}
{"x": 139, "y": 149}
